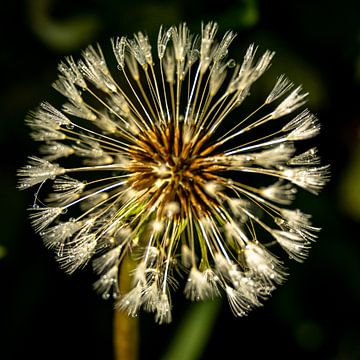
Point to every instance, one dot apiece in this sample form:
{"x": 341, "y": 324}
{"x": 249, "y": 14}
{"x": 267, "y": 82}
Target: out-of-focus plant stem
{"x": 126, "y": 328}
{"x": 193, "y": 332}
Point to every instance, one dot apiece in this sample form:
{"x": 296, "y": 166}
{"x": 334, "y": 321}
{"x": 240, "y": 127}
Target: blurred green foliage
{"x": 350, "y": 185}
{"x": 2, "y": 251}
{"x": 65, "y": 34}
{"x": 193, "y": 332}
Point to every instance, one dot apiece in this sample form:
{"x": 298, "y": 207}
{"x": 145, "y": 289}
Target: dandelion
{"x": 157, "y": 161}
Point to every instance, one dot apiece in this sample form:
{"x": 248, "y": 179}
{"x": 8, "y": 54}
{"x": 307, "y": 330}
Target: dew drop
{"x": 35, "y": 206}
{"x": 70, "y": 126}
{"x": 231, "y": 63}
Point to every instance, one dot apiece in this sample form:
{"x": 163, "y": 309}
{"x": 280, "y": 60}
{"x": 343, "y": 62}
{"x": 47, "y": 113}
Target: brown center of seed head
{"x": 173, "y": 169}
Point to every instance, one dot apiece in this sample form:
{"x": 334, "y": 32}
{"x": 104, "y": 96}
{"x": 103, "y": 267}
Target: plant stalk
{"x": 126, "y": 328}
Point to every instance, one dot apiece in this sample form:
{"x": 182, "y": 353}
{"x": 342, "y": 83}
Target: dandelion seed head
{"x": 154, "y": 165}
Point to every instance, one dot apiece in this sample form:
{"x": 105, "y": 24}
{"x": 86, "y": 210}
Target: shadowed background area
{"x": 46, "y": 314}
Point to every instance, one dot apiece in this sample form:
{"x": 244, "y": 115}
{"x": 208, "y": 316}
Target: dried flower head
{"x": 153, "y": 167}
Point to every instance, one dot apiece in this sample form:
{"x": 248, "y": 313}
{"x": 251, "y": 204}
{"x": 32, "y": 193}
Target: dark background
{"x": 45, "y": 314}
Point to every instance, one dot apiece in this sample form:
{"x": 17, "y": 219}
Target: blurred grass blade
{"x": 61, "y": 35}
{"x": 194, "y": 331}
{"x": 350, "y": 185}
{"x": 3, "y": 251}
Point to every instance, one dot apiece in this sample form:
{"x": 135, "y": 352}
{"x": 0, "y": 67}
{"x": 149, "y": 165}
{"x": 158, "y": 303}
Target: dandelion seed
{"x": 290, "y": 104}
{"x": 78, "y": 254}
{"x": 282, "y": 86}
{"x": 273, "y": 157}
{"x": 163, "y": 310}
{"x": 298, "y": 222}
{"x": 237, "y": 302}
{"x": 55, "y": 150}
{"x": 264, "y": 264}
{"x": 292, "y": 243}
{"x": 310, "y": 178}
{"x": 119, "y": 46}
{"x": 132, "y": 301}
{"x": 107, "y": 260}
{"x": 37, "y": 171}
{"x": 309, "y": 157}
{"x": 280, "y": 192}
{"x": 79, "y": 110}
{"x": 147, "y": 170}
{"x": 47, "y": 117}
{"x": 56, "y": 236}
{"x": 199, "y": 285}
{"x": 107, "y": 285}
{"x": 42, "y": 217}
{"x": 303, "y": 126}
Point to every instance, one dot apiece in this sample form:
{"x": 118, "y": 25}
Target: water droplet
{"x": 231, "y": 63}
{"x": 35, "y": 206}
{"x": 106, "y": 296}
{"x": 70, "y": 126}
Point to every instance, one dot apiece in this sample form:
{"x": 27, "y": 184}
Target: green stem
{"x": 126, "y": 328}
{"x": 194, "y": 331}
